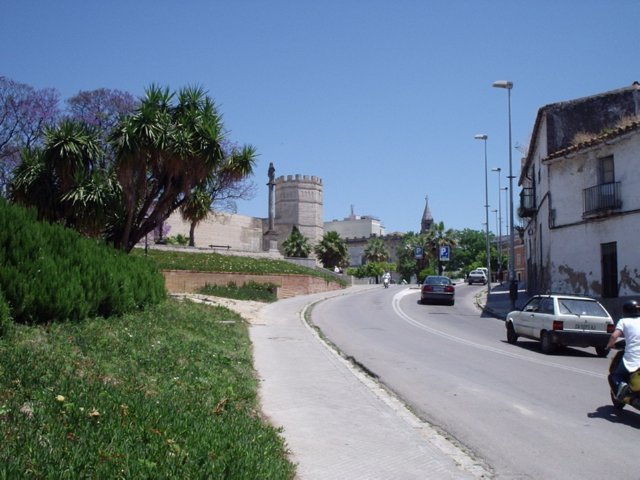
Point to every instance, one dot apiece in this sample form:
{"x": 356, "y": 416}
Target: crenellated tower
{"x": 299, "y": 202}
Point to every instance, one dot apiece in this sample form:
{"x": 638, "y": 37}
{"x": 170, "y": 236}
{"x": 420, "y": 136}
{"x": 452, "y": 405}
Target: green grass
{"x": 215, "y": 262}
{"x": 260, "y": 292}
{"x": 166, "y": 393}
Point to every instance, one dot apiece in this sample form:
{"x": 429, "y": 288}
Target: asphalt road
{"x": 527, "y": 414}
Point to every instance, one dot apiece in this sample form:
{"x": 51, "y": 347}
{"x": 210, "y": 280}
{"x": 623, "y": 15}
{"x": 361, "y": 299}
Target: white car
{"x": 477, "y": 276}
{"x": 562, "y": 320}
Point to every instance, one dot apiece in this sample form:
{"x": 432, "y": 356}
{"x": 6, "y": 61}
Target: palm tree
{"x": 410, "y": 263}
{"x": 332, "y": 250}
{"x": 194, "y": 210}
{"x": 163, "y": 151}
{"x": 63, "y": 182}
{"x": 296, "y": 245}
{"x": 376, "y": 250}
{"x": 224, "y": 184}
{"x": 438, "y": 237}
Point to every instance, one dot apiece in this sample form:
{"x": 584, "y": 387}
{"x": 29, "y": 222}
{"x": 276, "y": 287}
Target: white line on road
{"x": 396, "y": 307}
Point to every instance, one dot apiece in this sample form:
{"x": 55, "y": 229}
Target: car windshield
{"x": 577, "y": 306}
{"x": 437, "y": 281}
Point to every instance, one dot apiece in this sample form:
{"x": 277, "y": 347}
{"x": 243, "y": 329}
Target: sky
{"x": 381, "y": 99}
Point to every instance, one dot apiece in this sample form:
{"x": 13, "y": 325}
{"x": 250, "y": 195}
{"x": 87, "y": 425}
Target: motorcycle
{"x": 633, "y": 396}
{"x": 385, "y": 282}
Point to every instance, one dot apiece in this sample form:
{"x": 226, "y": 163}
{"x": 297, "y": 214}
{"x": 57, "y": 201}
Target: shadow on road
{"x": 614, "y": 415}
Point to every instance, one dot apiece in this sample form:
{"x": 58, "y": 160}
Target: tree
{"x": 408, "y": 263}
{"x": 372, "y": 269}
{"x": 470, "y": 250}
{"x": 296, "y": 245}
{"x": 101, "y": 110}
{"x": 24, "y": 114}
{"x": 438, "y": 237}
{"x": 62, "y": 180}
{"x": 222, "y": 188}
{"x": 196, "y": 209}
{"x": 163, "y": 151}
{"x": 332, "y": 251}
{"x": 376, "y": 250}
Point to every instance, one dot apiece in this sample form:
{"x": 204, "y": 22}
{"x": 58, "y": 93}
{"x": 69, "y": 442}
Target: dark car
{"x": 437, "y": 288}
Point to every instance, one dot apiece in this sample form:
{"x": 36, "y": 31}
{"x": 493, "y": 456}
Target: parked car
{"x": 562, "y": 320}
{"x": 477, "y": 276}
{"x": 437, "y": 288}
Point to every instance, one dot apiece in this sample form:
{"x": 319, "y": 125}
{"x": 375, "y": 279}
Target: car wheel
{"x": 512, "y": 337}
{"x": 546, "y": 345}
{"x": 602, "y": 351}
{"x": 452, "y": 302}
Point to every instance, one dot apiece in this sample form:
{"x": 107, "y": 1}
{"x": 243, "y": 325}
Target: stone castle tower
{"x": 299, "y": 202}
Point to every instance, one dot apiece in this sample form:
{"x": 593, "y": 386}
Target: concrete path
{"x": 337, "y": 422}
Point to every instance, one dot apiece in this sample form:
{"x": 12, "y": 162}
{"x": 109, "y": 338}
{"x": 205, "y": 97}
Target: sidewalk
{"x": 498, "y": 303}
{"x": 337, "y": 422}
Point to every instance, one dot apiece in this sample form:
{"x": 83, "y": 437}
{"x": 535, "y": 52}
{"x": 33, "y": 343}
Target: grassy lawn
{"x": 167, "y": 393}
{"x": 215, "y": 262}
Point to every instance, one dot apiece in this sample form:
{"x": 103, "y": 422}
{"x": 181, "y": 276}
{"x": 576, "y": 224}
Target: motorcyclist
{"x": 386, "y": 278}
{"x": 629, "y": 328}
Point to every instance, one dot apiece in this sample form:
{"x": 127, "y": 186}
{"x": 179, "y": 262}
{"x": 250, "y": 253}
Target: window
{"x": 609, "y": 263}
{"x": 546, "y": 306}
{"x": 605, "y": 170}
{"x": 533, "y": 305}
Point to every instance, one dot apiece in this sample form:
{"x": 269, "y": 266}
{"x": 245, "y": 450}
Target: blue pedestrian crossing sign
{"x": 444, "y": 253}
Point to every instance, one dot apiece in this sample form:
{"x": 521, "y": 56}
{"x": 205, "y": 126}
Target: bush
{"x": 260, "y": 292}
{"x": 51, "y": 273}
{"x": 5, "y": 317}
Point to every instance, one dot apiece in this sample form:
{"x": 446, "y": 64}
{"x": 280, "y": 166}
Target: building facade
{"x": 579, "y": 199}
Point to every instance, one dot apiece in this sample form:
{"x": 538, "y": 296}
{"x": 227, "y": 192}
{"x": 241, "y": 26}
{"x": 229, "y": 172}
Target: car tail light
{"x": 448, "y": 289}
{"x": 427, "y": 288}
{"x": 610, "y": 327}
{"x": 558, "y": 325}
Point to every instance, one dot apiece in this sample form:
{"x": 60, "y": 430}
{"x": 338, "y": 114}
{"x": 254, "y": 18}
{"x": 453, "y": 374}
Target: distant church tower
{"x": 299, "y": 202}
{"x": 427, "y": 218}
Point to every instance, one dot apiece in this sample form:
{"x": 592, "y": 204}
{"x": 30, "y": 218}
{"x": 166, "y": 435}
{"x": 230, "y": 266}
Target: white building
{"x": 580, "y": 199}
{"x": 356, "y": 226}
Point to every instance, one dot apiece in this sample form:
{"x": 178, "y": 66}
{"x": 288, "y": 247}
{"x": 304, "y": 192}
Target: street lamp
{"x": 513, "y": 282}
{"x": 499, "y": 232}
{"x": 506, "y": 206}
{"x": 484, "y": 137}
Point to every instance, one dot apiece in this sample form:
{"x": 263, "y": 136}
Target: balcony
{"x": 527, "y": 206}
{"x": 601, "y": 199}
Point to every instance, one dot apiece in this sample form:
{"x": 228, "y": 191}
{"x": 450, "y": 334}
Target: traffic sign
{"x": 444, "y": 253}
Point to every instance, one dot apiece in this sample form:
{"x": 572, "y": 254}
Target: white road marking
{"x": 396, "y": 307}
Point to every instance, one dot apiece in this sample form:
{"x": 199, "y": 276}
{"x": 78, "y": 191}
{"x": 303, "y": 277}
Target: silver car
{"x": 437, "y": 288}
{"x": 562, "y": 320}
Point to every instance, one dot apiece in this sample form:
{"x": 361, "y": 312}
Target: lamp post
{"x": 499, "y": 231}
{"x": 484, "y": 137}
{"x": 513, "y": 282}
{"x": 506, "y": 206}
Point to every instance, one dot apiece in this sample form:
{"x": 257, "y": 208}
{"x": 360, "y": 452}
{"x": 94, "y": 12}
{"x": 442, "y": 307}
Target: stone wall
{"x": 239, "y": 232}
{"x": 185, "y": 281}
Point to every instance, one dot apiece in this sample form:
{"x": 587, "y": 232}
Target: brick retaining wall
{"x": 186, "y": 281}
